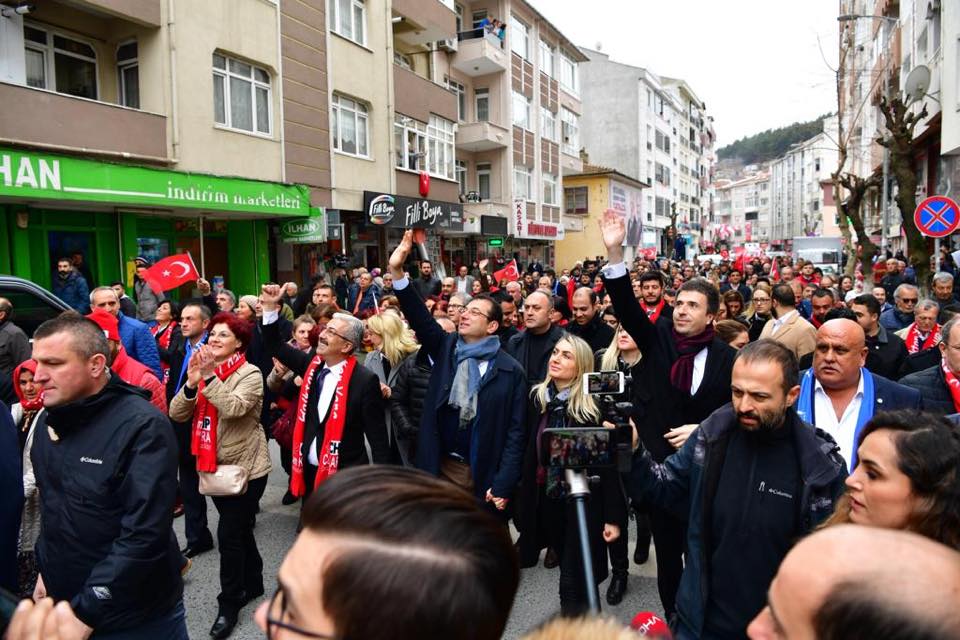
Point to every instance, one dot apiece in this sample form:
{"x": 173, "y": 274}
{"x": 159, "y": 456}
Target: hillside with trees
{"x": 772, "y": 143}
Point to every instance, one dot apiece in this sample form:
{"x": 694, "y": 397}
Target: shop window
{"x": 60, "y": 63}
{"x": 241, "y": 95}
{"x": 128, "y": 75}
{"x": 349, "y": 121}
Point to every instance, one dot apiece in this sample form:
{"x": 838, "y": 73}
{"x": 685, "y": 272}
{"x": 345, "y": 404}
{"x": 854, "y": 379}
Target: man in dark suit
{"x": 533, "y": 346}
{"x": 587, "y": 323}
{"x": 472, "y": 431}
{"x": 839, "y": 394}
{"x": 683, "y": 377}
{"x": 932, "y": 381}
{"x": 735, "y": 283}
{"x": 886, "y": 350}
{"x": 365, "y": 410}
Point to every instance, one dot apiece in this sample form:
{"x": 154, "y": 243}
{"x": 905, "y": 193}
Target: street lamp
{"x": 850, "y": 17}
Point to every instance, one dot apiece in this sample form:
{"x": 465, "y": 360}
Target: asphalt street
{"x": 536, "y": 601}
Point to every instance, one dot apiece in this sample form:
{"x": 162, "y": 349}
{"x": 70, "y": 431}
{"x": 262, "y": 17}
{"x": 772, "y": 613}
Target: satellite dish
{"x": 917, "y": 83}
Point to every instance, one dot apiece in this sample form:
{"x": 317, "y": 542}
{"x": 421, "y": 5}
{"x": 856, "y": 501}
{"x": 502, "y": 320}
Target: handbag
{"x": 227, "y": 480}
{"x": 282, "y": 428}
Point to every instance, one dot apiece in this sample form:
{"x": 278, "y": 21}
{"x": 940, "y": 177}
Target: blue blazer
{"x": 499, "y": 434}
{"x": 140, "y": 344}
{"x": 890, "y": 395}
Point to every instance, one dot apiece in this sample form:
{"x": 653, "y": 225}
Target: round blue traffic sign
{"x": 937, "y": 216}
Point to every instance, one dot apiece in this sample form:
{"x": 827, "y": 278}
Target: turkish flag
{"x": 509, "y": 272}
{"x": 774, "y": 270}
{"x": 741, "y": 256}
{"x": 171, "y": 272}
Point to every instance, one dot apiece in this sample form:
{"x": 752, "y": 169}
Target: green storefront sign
{"x": 45, "y": 176}
{"x": 305, "y": 230}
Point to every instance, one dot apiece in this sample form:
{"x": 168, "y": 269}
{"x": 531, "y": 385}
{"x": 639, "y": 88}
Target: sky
{"x": 756, "y": 64}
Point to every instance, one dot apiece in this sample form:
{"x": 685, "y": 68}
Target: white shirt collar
{"x": 818, "y": 388}
{"x": 337, "y": 368}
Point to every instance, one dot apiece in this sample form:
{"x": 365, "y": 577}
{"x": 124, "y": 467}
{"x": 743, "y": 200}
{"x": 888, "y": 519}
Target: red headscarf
{"x": 28, "y": 405}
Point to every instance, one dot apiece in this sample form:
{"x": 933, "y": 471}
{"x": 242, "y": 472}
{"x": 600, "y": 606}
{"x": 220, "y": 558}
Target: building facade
{"x": 742, "y": 212}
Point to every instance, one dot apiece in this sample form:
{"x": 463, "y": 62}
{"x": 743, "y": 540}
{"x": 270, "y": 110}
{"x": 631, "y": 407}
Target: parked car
{"x": 32, "y": 304}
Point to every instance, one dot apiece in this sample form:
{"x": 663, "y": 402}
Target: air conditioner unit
{"x": 450, "y": 44}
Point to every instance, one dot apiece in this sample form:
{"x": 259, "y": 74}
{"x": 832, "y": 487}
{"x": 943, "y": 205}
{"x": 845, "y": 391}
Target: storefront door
{"x": 79, "y": 247}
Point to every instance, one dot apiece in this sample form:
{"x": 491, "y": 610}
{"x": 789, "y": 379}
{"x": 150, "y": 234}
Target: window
{"x": 128, "y": 75}
{"x": 663, "y": 207}
{"x": 461, "y": 94}
{"x": 546, "y": 59}
{"x": 483, "y": 180}
{"x": 59, "y": 63}
{"x": 440, "y": 153}
{"x": 662, "y": 174}
{"x": 550, "y": 189}
{"x": 570, "y": 130}
{"x": 459, "y": 12}
{"x": 348, "y": 19}
{"x": 462, "y": 171}
{"x": 402, "y": 60}
{"x": 548, "y": 124}
{"x": 568, "y": 73}
{"x": 521, "y": 110}
{"x": 241, "y": 95}
{"x": 522, "y": 183}
{"x": 519, "y": 38}
{"x": 410, "y": 137}
{"x": 482, "y": 103}
{"x": 349, "y": 124}
{"x": 477, "y": 17}
{"x": 575, "y": 200}
{"x": 663, "y": 141}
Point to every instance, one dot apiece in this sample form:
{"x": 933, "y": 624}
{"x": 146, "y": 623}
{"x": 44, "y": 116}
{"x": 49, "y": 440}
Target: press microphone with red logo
{"x": 651, "y": 625}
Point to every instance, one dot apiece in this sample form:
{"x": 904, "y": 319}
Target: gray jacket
{"x": 14, "y": 347}
{"x": 147, "y": 300}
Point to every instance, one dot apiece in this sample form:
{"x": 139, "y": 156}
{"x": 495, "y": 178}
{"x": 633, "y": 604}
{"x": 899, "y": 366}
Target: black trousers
{"x": 194, "y": 505}
{"x": 669, "y": 540}
{"x": 619, "y": 551}
{"x": 241, "y": 567}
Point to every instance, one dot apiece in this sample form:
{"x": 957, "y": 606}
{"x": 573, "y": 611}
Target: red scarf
{"x": 681, "y": 371}
{"x": 203, "y": 442}
{"x": 27, "y": 405}
{"x": 163, "y": 336}
{"x": 329, "y": 453}
{"x": 914, "y": 343}
{"x": 952, "y": 383}
{"x": 653, "y": 313}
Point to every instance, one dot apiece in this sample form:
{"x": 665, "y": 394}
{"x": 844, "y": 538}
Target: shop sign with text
{"x": 532, "y": 229}
{"x": 389, "y": 210}
{"x": 305, "y": 230}
{"x": 25, "y": 174}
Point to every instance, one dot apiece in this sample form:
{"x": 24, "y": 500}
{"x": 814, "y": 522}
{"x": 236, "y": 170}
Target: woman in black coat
{"x": 546, "y": 516}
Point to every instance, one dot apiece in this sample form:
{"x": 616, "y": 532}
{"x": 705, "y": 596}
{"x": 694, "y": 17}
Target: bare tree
{"x": 850, "y": 209}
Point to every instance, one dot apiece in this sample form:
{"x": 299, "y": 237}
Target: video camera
{"x": 599, "y": 446}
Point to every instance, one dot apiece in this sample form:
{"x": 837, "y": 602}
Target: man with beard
{"x": 753, "y": 471}
{"x": 788, "y": 327}
{"x": 651, "y": 299}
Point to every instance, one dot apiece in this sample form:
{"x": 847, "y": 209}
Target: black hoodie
{"x": 107, "y": 485}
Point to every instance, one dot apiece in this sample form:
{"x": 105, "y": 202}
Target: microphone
{"x": 649, "y": 624}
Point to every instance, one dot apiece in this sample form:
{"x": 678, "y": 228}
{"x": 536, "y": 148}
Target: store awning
{"x": 46, "y": 179}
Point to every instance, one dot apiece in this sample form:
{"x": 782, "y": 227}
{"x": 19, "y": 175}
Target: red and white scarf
{"x": 952, "y": 384}
{"x": 916, "y": 343}
{"x": 163, "y": 336}
{"x": 328, "y": 455}
{"x": 653, "y": 312}
{"x": 203, "y": 441}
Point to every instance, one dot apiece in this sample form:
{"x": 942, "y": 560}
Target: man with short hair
{"x": 886, "y": 350}
{"x": 473, "y": 427}
{"x": 787, "y": 327}
{"x": 147, "y": 298}
{"x": 735, "y": 283}
{"x": 69, "y": 286}
{"x": 515, "y": 291}
{"x": 532, "y": 346}
{"x": 457, "y": 305}
{"x": 587, "y": 323}
{"x": 833, "y": 585}
{"x": 821, "y": 301}
{"x": 786, "y": 274}
{"x": 651, "y": 298}
{"x": 906, "y": 296}
{"x": 881, "y": 295}
{"x": 464, "y": 281}
{"x": 939, "y": 384}
{"x": 130, "y": 371}
{"x": 943, "y": 295}
{"x": 753, "y": 463}
{"x": 127, "y": 306}
{"x": 427, "y": 284}
{"x": 14, "y": 344}
{"x": 226, "y": 300}
{"x": 893, "y": 278}
{"x": 105, "y": 466}
{"x": 924, "y": 332}
{"x": 136, "y": 337}
{"x": 509, "y": 310}
{"x": 839, "y": 394}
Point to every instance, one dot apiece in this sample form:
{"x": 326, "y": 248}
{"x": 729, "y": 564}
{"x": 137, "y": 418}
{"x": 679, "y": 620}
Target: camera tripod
{"x": 579, "y": 490}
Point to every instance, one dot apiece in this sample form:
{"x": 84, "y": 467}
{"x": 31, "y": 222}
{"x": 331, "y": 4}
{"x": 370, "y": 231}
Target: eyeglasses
{"x": 456, "y": 307}
{"x": 327, "y": 329}
{"x": 909, "y": 300}
{"x": 279, "y": 605}
{"x": 476, "y": 313}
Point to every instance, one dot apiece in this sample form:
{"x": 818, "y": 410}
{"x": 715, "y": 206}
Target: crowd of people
{"x": 794, "y": 433}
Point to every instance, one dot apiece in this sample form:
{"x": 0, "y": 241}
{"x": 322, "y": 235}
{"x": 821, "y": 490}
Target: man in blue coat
{"x": 11, "y": 500}
{"x": 473, "y": 424}
{"x": 135, "y": 335}
{"x": 69, "y": 286}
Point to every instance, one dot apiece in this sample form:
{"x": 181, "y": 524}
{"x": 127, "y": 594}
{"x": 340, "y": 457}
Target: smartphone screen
{"x": 603, "y": 382}
{"x": 578, "y": 448}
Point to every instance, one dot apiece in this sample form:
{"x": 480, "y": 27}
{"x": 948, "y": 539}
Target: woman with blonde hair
{"x": 393, "y": 342}
{"x": 546, "y": 517}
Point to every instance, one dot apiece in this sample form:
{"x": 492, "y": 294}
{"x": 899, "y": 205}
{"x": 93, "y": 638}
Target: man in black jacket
{"x": 684, "y": 375}
{"x": 587, "y": 323}
{"x": 932, "y": 382}
{"x": 887, "y": 352}
{"x": 427, "y": 284}
{"x": 651, "y": 298}
{"x": 106, "y": 467}
{"x": 533, "y": 346}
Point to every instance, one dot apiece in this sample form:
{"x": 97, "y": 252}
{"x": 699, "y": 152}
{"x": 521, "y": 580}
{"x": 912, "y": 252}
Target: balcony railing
{"x": 475, "y": 34}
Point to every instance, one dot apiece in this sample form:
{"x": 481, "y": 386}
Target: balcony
{"x": 480, "y": 53}
{"x": 143, "y": 12}
{"x": 49, "y": 118}
{"x": 418, "y": 97}
{"x": 420, "y": 22}
{"x": 481, "y": 136}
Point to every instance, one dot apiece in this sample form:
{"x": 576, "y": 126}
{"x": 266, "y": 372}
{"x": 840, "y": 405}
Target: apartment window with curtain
{"x": 575, "y": 200}
{"x": 550, "y": 189}
{"x": 568, "y": 74}
{"x": 59, "y": 63}
{"x": 241, "y": 95}
{"x": 522, "y": 183}
{"x": 348, "y": 19}
{"x": 482, "y": 103}
{"x": 521, "y": 111}
{"x": 548, "y": 124}
{"x": 461, "y": 94}
{"x": 461, "y": 169}
{"x": 410, "y": 137}
{"x": 570, "y": 131}
{"x": 440, "y": 148}
{"x": 546, "y": 59}
{"x": 349, "y": 120}
{"x": 519, "y": 38}
{"x": 483, "y": 180}
{"x": 128, "y": 75}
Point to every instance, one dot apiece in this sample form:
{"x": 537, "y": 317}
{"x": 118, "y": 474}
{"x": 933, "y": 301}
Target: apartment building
{"x": 742, "y": 211}
{"x": 655, "y": 129}
{"x": 152, "y": 128}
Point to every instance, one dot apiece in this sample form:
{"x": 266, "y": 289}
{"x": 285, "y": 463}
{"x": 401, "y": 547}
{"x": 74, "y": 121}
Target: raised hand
{"x": 194, "y": 374}
{"x": 270, "y": 296}
{"x": 400, "y": 254}
{"x": 483, "y": 265}
{"x": 203, "y": 286}
{"x": 613, "y": 230}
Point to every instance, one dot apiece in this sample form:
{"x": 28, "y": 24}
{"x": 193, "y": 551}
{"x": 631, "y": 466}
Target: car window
{"x": 29, "y": 311}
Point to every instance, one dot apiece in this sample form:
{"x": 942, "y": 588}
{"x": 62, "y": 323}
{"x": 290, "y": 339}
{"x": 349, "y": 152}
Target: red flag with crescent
{"x": 171, "y": 272}
{"x": 509, "y": 272}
